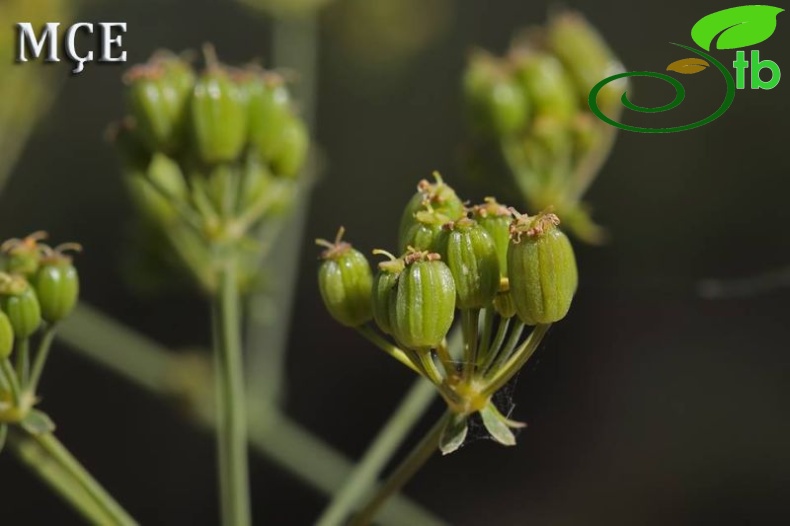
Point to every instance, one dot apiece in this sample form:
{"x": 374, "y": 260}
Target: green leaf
{"x": 498, "y": 425}
{"x": 736, "y": 27}
{"x": 454, "y": 434}
{"x": 37, "y": 423}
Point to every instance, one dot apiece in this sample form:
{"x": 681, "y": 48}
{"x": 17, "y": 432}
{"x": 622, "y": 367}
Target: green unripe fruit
{"x": 423, "y": 232}
{"x": 346, "y": 283}
{"x": 504, "y": 305}
{"x": 19, "y": 302}
{"x": 23, "y": 256}
{"x": 541, "y": 269}
{"x": 269, "y": 110}
{"x": 548, "y": 86}
{"x": 496, "y": 101}
{"x": 385, "y": 291}
{"x": 57, "y": 286}
{"x": 6, "y": 336}
{"x": 158, "y": 95}
{"x": 470, "y": 253}
{"x": 424, "y": 303}
{"x": 495, "y": 219}
{"x": 218, "y": 116}
{"x": 289, "y": 156}
{"x": 436, "y": 198}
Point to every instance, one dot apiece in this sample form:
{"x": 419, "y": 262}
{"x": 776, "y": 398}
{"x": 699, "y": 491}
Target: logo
{"x": 733, "y": 28}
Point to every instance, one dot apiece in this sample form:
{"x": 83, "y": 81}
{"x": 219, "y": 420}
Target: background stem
{"x": 232, "y": 423}
{"x": 404, "y": 472}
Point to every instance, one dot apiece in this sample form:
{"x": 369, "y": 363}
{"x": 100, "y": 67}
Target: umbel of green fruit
{"x": 19, "y": 302}
{"x": 470, "y": 253}
{"x": 6, "y": 336}
{"x": 438, "y": 199}
{"x": 541, "y": 269}
{"x": 424, "y": 302}
{"x": 346, "y": 282}
{"x": 57, "y": 285}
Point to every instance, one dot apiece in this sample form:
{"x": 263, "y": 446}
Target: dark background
{"x": 648, "y": 405}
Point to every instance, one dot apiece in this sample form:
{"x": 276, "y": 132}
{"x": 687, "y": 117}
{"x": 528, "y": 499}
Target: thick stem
{"x": 101, "y": 500}
{"x": 387, "y": 441}
{"x": 403, "y": 473}
{"x": 232, "y": 424}
{"x": 41, "y": 358}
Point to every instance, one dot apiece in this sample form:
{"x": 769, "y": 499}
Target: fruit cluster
{"x": 209, "y": 156}
{"x": 499, "y": 269}
{"x": 39, "y": 287}
{"x": 530, "y": 109}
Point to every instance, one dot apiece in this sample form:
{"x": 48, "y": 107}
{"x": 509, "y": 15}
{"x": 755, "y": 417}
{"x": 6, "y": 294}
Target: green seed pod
{"x": 504, "y": 305}
{"x": 424, "y": 231}
{"x": 269, "y": 110}
{"x": 424, "y": 302}
{"x": 548, "y": 86}
{"x": 218, "y": 116}
{"x": 158, "y": 95}
{"x": 496, "y": 102}
{"x": 23, "y": 256}
{"x": 346, "y": 282}
{"x": 385, "y": 290}
{"x": 19, "y": 302}
{"x": 541, "y": 269}
{"x": 495, "y": 219}
{"x": 57, "y": 286}
{"x": 586, "y": 56}
{"x": 470, "y": 253}
{"x": 6, "y": 336}
{"x": 289, "y": 156}
{"x": 437, "y": 197}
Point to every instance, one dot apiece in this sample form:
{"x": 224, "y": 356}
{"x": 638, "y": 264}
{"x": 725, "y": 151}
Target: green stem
{"x": 470, "y": 324}
{"x": 13, "y": 381}
{"x": 517, "y": 361}
{"x": 387, "y": 441}
{"x": 376, "y": 339}
{"x": 485, "y": 338}
{"x": 103, "y": 500}
{"x": 30, "y": 453}
{"x": 403, "y": 473}
{"x": 23, "y": 360}
{"x": 151, "y": 367}
{"x": 232, "y": 426}
{"x": 496, "y": 345}
{"x": 505, "y": 352}
{"x": 41, "y": 358}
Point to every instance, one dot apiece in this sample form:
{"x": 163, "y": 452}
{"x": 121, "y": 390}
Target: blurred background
{"x": 650, "y": 404}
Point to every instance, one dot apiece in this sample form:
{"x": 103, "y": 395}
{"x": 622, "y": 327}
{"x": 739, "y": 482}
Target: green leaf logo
{"x": 738, "y": 27}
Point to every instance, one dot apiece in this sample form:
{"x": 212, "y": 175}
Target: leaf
{"x": 498, "y": 425}
{"x": 688, "y": 66}
{"x": 453, "y": 434}
{"x": 738, "y": 27}
{"x": 37, "y": 423}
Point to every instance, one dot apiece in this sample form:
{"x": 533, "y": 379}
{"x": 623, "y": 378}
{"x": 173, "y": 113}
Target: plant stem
{"x": 294, "y": 46}
{"x": 403, "y": 473}
{"x": 517, "y": 360}
{"x": 393, "y": 350}
{"x": 151, "y": 367}
{"x": 232, "y": 425}
{"x": 13, "y": 381}
{"x": 41, "y": 358}
{"x": 387, "y": 441}
{"x": 55, "y": 451}
{"x": 506, "y": 352}
{"x": 22, "y": 360}
{"x": 470, "y": 320}
{"x": 30, "y": 453}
